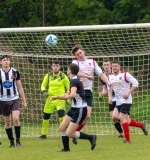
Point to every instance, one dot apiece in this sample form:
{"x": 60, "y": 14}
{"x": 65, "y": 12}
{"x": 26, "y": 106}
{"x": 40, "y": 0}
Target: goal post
{"x": 128, "y": 43}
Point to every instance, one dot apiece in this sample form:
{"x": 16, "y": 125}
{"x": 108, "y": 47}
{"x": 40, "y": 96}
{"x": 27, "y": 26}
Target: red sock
{"x": 126, "y": 131}
{"x": 80, "y": 127}
{"x": 136, "y": 124}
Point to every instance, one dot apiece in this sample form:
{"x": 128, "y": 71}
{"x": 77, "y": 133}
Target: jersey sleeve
{"x": 73, "y": 83}
{"x": 102, "y": 82}
{"x": 44, "y": 83}
{"x": 67, "y": 83}
{"x": 97, "y": 69}
{"x": 131, "y": 79}
{"x": 75, "y": 62}
{"x": 17, "y": 75}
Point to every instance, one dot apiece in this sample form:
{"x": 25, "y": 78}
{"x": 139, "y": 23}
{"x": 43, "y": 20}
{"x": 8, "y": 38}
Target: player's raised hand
{"x": 53, "y": 98}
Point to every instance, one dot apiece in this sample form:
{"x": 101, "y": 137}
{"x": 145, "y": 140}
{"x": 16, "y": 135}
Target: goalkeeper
{"x": 54, "y": 83}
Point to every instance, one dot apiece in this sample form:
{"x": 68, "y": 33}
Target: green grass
{"x": 108, "y": 148}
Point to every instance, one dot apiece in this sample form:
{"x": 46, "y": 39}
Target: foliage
{"x": 29, "y": 13}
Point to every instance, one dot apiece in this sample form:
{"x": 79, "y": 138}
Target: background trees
{"x": 29, "y": 13}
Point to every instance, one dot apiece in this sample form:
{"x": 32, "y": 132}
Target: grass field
{"x": 108, "y": 148}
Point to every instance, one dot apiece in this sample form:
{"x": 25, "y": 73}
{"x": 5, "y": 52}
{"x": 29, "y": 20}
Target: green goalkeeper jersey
{"x": 56, "y": 84}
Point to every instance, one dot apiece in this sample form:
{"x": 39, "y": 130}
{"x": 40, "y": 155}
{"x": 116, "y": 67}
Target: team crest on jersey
{"x": 12, "y": 77}
{"x": 120, "y": 78}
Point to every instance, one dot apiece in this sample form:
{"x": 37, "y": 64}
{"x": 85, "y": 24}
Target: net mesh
{"x": 33, "y": 58}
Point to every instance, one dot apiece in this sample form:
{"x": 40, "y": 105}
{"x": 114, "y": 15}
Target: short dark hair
{"x": 76, "y": 48}
{"x": 5, "y": 56}
{"x": 74, "y": 68}
{"x": 116, "y": 62}
{"x": 56, "y": 62}
{"x": 106, "y": 60}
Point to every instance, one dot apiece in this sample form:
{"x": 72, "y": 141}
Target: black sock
{"x": 85, "y": 136}
{"x": 17, "y": 132}
{"x": 118, "y": 127}
{"x": 65, "y": 141}
{"x": 9, "y": 134}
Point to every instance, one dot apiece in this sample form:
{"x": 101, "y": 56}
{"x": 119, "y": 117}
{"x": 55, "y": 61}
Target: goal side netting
{"x": 128, "y": 43}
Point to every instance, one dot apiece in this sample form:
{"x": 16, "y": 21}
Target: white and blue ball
{"x": 51, "y": 40}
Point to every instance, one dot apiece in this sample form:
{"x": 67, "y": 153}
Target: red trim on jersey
{"x": 18, "y": 79}
{"x": 74, "y": 86}
{"x": 125, "y": 77}
{"x": 93, "y": 61}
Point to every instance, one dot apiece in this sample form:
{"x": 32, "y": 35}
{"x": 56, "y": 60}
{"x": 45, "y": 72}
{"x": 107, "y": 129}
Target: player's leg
{"x": 123, "y": 116}
{"x": 0, "y": 114}
{"x": 63, "y": 128}
{"x": 48, "y": 110}
{"x": 8, "y": 129}
{"x": 141, "y": 125}
{"x": 5, "y": 109}
{"x": 79, "y": 117}
{"x": 16, "y": 120}
{"x": 89, "y": 99}
{"x": 115, "y": 116}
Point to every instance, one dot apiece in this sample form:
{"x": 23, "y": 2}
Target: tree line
{"x": 37, "y": 13}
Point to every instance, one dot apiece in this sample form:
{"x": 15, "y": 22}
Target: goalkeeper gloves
{"x": 45, "y": 94}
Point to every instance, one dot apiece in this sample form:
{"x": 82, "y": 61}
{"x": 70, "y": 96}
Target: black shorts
{"x": 112, "y": 106}
{"x": 124, "y": 108}
{"x": 77, "y": 114}
{"x": 89, "y": 97}
{"x": 7, "y": 107}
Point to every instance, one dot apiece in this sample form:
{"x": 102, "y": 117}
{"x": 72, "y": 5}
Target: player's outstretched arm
{"x": 105, "y": 79}
{"x": 66, "y": 96}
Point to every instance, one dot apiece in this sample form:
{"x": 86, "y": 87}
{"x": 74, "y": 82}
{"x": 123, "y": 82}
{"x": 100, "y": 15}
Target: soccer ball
{"x": 51, "y": 40}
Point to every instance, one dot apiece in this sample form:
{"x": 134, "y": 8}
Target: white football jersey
{"x": 88, "y": 67}
{"x": 121, "y": 85}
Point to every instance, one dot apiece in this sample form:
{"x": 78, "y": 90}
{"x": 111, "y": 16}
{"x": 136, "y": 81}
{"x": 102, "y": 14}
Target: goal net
{"x": 128, "y": 43}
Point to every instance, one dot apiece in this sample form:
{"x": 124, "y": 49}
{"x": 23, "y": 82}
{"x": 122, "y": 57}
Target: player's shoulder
{"x": 14, "y": 69}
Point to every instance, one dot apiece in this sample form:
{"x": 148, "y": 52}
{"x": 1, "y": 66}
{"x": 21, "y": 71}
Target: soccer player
{"x": 121, "y": 86}
{"x": 10, "y": 87}
{"x": 56, "y": 82}
{"x": 78, "y": 111}
{"x": 87, "y": 67}
{"x": 107, "y": 71}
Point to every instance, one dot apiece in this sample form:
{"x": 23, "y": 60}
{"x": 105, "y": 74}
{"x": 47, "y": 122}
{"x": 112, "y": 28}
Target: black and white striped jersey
{"x": 8, "y": 87}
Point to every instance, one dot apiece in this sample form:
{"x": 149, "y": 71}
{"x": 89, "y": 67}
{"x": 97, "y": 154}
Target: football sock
{"x": 61, "y": 119}
{"x": 118, "y": 127}
{"x": 45, "y": 124}
{"x": 85, "y": 136}
{"x": 17, "y": 132}
{"x": 9, "y": 134}
{"x": 136, "y": 124}
{"x": 126, "y": 131}
{"x": 65, "y": 141}
{"x": 80, "y": 127}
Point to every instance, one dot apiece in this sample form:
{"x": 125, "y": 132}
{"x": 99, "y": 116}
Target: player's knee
{"x": 115, "y": 118}
{"x": 69, "y": 134}
{"x": 46, "y": 116}
{"x": 61, "y": 113}
{"x": 88, "y": 116}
